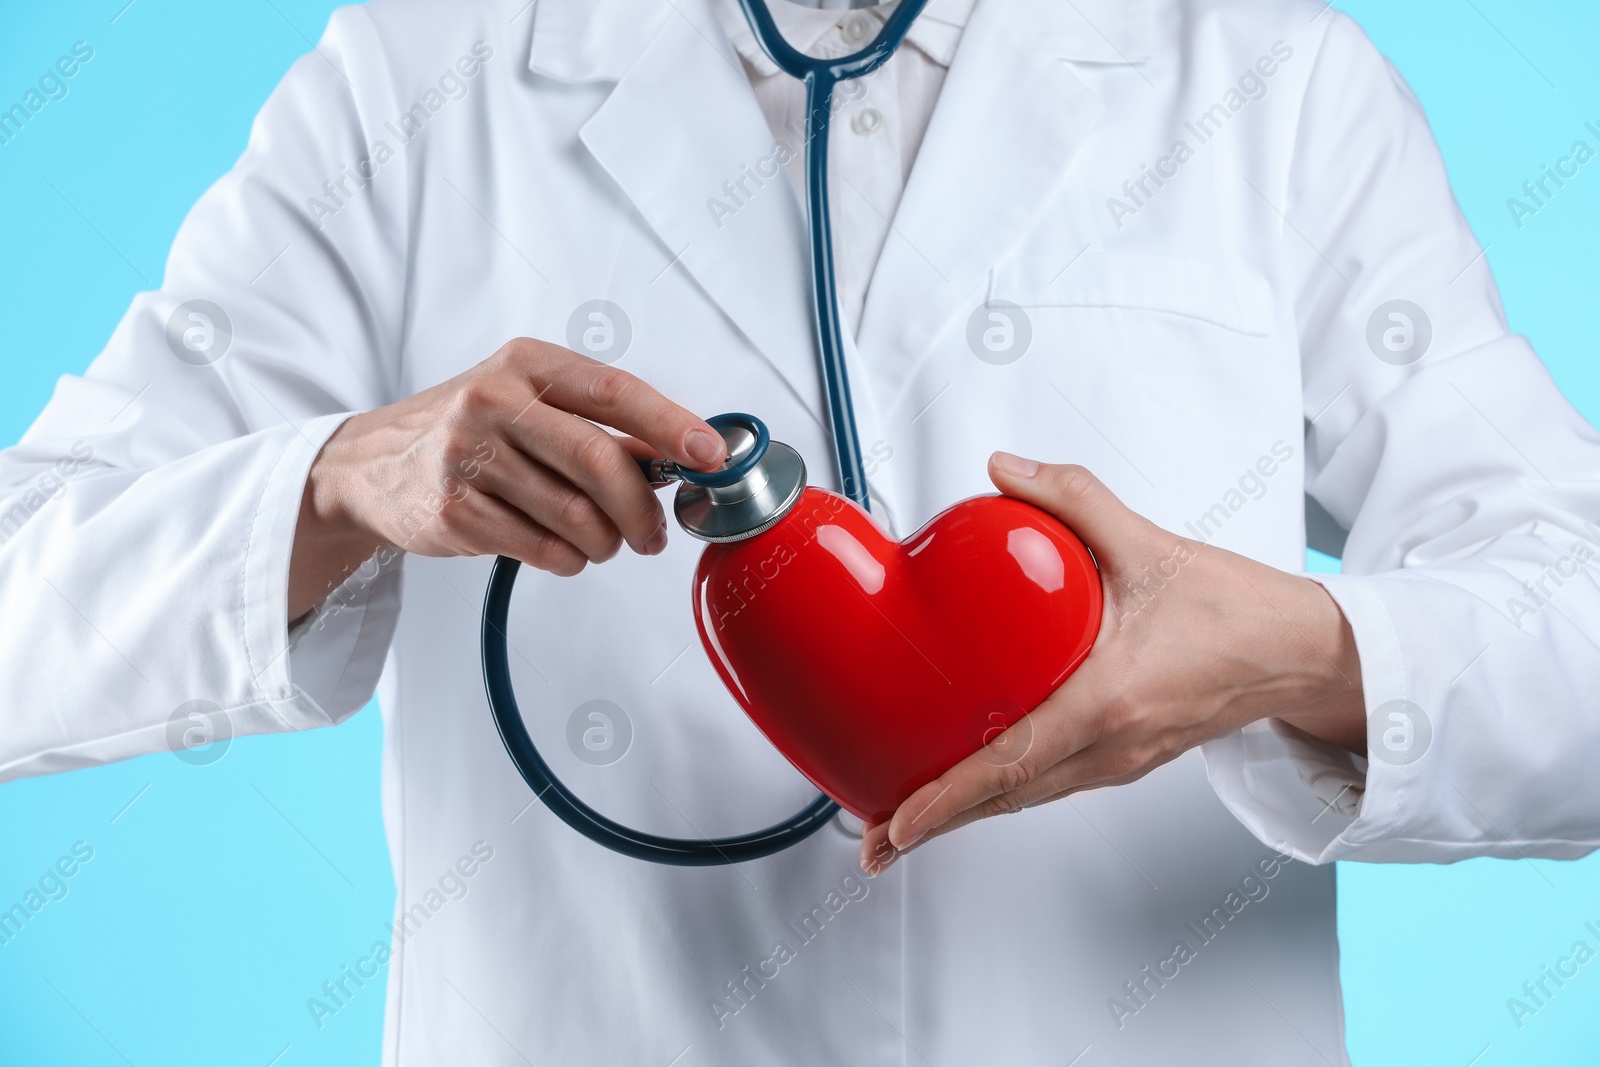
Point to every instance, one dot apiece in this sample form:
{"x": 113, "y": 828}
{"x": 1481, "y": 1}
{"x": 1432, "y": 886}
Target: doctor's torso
{"x": 1084, "y": 267}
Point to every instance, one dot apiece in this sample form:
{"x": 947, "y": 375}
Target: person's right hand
{"x": 503, "y": 459}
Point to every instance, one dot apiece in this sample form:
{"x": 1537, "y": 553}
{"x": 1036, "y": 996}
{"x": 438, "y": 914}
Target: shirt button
{"x": 867, "y": 121}
{"x": 857, "y": 28}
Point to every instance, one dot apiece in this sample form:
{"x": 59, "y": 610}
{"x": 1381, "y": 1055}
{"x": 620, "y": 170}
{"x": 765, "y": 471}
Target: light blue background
{"x": 223, "y": 896}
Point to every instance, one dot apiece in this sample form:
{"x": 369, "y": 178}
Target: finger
{"x": 638, "y": 449}
{"x": 1001, "y": 805}
{"x": 641, "y": 451}
{"x": 1090, "y": 769}
{"x": 615, "y": 398}
{"x": 973, "y": 814}
{"x": 552, "y": 501}
{"x": 1098, "y": 766}
{"x": 1050, "y": 733}
{"x": 877, "y": 853}
{"x": 1088, "y": 782}
{"x": 1076, "y": 497}
{"x": 599, "y": 467}
{"x": 482, "y": 525}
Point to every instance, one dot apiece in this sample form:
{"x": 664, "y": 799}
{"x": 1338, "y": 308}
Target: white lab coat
{"x": 1174, "y": 346}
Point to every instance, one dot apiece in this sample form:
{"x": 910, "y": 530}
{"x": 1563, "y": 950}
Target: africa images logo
{"x": 199, "y": 332}
{"x": 199, "y": 733}
{"x": 600, "y": 330}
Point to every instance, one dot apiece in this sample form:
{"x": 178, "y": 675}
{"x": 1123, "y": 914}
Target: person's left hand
{"x": 1195, "y": 642}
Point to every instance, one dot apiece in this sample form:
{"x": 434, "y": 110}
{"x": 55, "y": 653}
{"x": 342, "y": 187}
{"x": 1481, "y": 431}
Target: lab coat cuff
{"x": 1315, "y": 801}
{"x": 326, "y": 666}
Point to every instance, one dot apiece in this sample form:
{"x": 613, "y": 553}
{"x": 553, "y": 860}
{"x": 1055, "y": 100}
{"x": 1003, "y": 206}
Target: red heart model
{"x": 874, "y": 666}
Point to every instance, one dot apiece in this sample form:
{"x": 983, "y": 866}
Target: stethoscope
{"x": 755, "y": 488}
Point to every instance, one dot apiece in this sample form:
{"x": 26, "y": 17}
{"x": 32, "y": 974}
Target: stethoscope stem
{"x": 847, "y": 452}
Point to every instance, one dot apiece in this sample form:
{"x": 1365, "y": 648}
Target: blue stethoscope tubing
{"x": 820, "y": 76}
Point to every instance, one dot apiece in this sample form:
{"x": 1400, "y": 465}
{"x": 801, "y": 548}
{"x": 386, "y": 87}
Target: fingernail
{"x": 881, "y": 866}
{"x": 1016, "y": 466}
{"x": 903, "y": 845}
{"x": 657, "y": 542}
{"x": 703, "y": 447}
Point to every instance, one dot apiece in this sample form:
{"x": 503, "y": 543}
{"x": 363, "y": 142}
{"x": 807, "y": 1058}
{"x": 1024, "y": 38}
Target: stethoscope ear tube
{"x": 680, "y": 852}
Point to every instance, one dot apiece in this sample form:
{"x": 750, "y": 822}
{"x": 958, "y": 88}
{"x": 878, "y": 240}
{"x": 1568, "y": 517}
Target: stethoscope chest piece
{"x": 757, "y": 486}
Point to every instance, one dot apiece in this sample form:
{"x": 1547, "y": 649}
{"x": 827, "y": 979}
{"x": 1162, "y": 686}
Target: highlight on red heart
{"x": 875, "y": 665}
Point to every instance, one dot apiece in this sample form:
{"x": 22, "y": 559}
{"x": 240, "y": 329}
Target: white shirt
{"x": 1212, "y": 345}
{"x": 877, "y": 122}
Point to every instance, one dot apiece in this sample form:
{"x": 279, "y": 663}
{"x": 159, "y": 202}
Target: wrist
{"x": 330, "y": 540}
{"x": 1332, "y": 704}
{"x": 328, "y": 507}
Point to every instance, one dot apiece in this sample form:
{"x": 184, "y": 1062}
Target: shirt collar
{"x": 582, "y": 41}
{"x": 935, "y": 33}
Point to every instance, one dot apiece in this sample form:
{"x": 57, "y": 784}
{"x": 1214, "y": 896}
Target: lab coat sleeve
{"x": 147, "y": 516}
{"x": 1471, "y": 490}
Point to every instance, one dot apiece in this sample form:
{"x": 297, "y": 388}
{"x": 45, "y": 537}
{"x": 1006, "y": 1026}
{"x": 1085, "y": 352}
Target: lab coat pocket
{"x": 1227, "y": 295}
{"x": 1194, "y": 351}
{"x": 1196, "y": 341}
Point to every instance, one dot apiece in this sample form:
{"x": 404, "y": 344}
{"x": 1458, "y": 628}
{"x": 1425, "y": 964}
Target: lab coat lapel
{"x": 680, "y": 126}
{"x": 1010, "y": 119}
{"x": 874, "y": 436}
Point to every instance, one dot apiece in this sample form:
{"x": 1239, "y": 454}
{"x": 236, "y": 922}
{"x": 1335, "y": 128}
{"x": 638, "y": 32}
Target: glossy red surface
{"x": 875, "y": 665}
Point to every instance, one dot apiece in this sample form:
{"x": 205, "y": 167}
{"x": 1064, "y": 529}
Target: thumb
{"x": 1076, "y": 497}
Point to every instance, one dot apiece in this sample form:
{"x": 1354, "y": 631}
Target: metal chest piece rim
{"x": 758, "y": 485}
